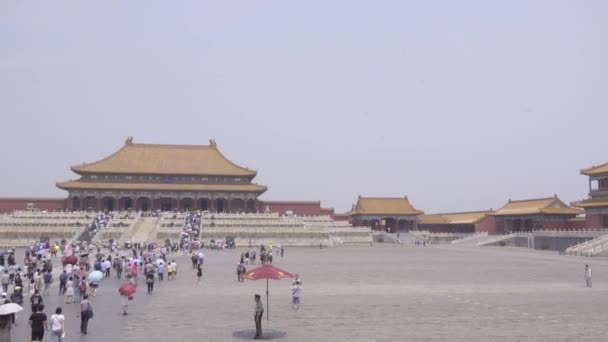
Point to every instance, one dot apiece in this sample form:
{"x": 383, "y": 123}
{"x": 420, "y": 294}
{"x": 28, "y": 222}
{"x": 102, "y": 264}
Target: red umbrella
{"x": 69, "y": 259}
{"x": 127, "y": 289}
{"x": 267, "y": 272}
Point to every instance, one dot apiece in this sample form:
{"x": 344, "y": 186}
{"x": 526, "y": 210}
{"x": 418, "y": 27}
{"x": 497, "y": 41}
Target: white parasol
{"x": 10, "y": 308}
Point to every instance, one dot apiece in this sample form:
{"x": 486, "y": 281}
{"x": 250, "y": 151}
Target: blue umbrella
{"x": 41, "y": 252}
{"x": 95, "y": 276}
{"x": 137, "y": 260}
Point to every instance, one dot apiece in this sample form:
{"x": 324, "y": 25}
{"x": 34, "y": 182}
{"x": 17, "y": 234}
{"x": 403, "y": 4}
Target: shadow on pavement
{"x": 249, "y": 334}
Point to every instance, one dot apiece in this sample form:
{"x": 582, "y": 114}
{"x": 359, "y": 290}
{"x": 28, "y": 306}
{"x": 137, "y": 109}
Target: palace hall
{"x": 163, "y": 177}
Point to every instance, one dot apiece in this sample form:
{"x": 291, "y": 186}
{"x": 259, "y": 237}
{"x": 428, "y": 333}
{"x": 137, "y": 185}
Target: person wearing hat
{"x": 259, "y": 312}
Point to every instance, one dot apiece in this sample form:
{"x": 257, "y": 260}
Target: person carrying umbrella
{"x": 6, "y": 326}
{"x": 94, "y": 279}
{"x": 126, "y": 292}
{"x": 257, "y": 316}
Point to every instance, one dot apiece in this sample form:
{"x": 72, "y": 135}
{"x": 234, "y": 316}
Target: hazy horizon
{"x": 458, "y": 105}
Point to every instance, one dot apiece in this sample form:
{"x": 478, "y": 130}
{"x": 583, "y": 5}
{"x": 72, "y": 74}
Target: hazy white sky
{"x": 460, "y": 105}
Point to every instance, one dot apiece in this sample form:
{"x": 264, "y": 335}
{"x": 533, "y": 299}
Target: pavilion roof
{"x": 384, "y": 206}
{"x": 549, "y": 205}
{"x": 166, "y": 160}
{"x": 76, "y": 185}
{"x": 595, "y": 170}
{"x": 592, "y": 203}
{"x": 471, "y": 217}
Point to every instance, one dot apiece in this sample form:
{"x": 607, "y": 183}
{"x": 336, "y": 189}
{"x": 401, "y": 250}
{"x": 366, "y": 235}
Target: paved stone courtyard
{"x": 363, "y": 293}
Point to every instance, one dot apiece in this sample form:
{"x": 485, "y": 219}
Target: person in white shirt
{"x": 588, "y": 275}
{"x": 296, "y": 292}
{"x": 57, "y": 326}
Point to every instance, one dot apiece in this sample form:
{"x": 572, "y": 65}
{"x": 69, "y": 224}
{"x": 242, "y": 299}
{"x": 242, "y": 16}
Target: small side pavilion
{"x": 384, "y": 213}
{"x": 534, "y": 214}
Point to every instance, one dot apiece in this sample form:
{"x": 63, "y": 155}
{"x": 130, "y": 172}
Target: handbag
{"x": 89, "y": 314}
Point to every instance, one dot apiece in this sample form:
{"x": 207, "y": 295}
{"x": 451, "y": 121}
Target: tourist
{"x": 6, "y": 301}
{"x": 83, "y": 287}
{"x": 174, "y": 265}
{"x": 12, "y": 269}
{"x": 86, "y": 313}
{"x": 124, "y": 302}
{"x": 38, "y": 323}
{"x": 106, "y": 267}
{"x": 38, "y": 281}
{"x": 150, "y": 282}
{"x": 6, "y": 326}
{"x": 199, "y": 274}
{"x": 297, "y": 279}
{"x": 588, "y": 275}
{"x": 17, "y": 295}
{"x": 76, "y": 286}
{"x": 169, "y": 271}
{"x": 57, "y": 326}
{"x": 240, "y": 270}
{"x": 296, "y": 292}
{"x": 48, "y": 280}
{"x": 93, "y": 288}
{"x": 134, "y": 271}
{"x": 257, "y": 316}
{"x": 63, "y": 279}
{"x": 35, "y": 300}
{"x": 161, "y": 270}
{"x": 5, "y": 279}
{"x": 69, "y": 292}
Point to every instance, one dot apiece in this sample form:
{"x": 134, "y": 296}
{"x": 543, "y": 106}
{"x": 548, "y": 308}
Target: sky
{"x": 460, "y": 105}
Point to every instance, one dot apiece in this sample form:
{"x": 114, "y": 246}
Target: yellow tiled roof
{"x": 432, "y": 219}
{"x": 550, "y": 205}
{"x": 160, "y": 186}
{"x": 596, "y": 170}
{"x": 384, "y": 206}
{"x": 471, "y": 217}
{"x": 592, "y": 203}
{"x": 466, "y": 217}
{"x": 166, "y": 160}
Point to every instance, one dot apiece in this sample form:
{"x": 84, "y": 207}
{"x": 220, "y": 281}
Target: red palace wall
{"x": 8, "y": 205}
{"x": 298, "y": 207}
{"x": 594, "y": 221}
{"x": 488, "y": 225}
{"x": 552, "y": 224}
{"x": 577, "y": 224}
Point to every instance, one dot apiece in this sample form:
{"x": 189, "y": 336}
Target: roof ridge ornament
{"x": 212, "y": 143}
{"x": 129, "y": 141}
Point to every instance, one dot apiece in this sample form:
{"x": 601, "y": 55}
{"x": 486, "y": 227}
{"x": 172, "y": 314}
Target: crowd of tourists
{"x": 78, "y": 281}
{"x": 189, "y": 237}
{"x": 83, "y": 268}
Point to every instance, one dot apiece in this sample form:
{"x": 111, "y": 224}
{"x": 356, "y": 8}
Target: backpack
{"x": 48, "y": 278}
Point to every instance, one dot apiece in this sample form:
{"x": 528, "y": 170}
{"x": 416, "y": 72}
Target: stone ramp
{"x": 85, "y": 236}
{"x": 470, "y": 240}
{"x": 594, "y": 247}
{"x": 144, "y": 230}
{"x": 383, "y": 237}
{"x": 494, "y": 239}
